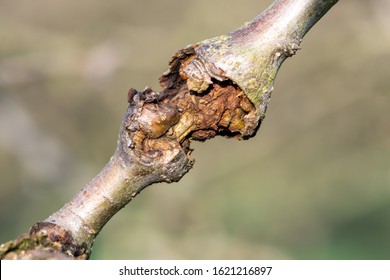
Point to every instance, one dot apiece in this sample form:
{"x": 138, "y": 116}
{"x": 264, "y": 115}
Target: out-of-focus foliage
{"x": 313, "y": 184}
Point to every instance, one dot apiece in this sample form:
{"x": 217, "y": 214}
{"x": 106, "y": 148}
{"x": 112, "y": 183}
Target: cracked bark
{"x": 219, "y": 86}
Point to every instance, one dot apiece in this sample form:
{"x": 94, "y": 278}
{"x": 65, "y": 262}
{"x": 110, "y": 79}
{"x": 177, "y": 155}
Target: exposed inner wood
{"x": 177, "y": 115}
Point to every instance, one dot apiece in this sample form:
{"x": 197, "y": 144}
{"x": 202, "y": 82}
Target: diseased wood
{"x": 219, "y": 86}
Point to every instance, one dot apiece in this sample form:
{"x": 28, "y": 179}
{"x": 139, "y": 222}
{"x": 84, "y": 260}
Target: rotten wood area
{"x": 158, "y": 121}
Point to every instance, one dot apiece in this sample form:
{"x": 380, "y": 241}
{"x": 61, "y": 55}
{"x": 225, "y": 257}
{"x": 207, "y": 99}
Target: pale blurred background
{"x": 313, "y": 184}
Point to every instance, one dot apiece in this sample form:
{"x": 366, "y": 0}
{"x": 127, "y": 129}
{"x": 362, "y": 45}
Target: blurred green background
{"x": 313, "y": 184}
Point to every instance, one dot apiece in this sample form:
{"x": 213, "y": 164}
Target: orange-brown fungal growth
{"x": 195, "y": 106}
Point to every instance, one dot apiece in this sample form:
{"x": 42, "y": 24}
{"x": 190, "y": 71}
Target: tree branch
{"x": 219, "y": 86}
